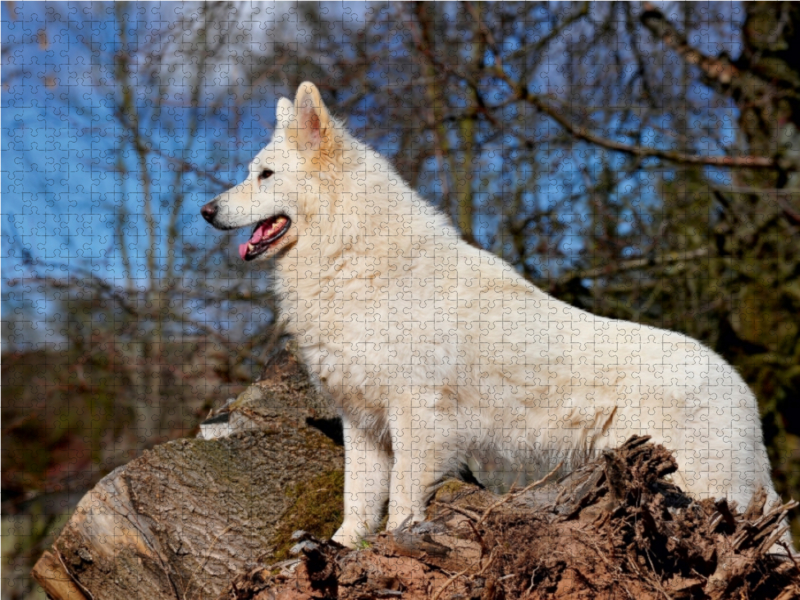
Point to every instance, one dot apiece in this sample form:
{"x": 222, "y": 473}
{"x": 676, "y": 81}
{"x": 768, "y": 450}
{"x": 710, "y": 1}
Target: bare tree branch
{"x": 719, "y": 71}
{"x": 581, "y": 133}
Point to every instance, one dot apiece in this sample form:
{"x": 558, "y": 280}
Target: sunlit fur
{"x": 432, "y": 348}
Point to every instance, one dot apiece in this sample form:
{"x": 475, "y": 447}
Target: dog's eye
{"x": 265, "y": 174}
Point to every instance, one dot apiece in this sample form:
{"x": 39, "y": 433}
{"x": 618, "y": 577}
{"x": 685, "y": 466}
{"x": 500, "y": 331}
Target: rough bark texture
{"x": 183, "y": 519}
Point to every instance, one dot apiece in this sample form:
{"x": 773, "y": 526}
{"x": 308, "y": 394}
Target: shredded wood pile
{"x": 612, "y": 529}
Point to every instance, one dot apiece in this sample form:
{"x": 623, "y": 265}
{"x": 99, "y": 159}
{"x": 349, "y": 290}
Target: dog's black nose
{"x": 209, "y": 211}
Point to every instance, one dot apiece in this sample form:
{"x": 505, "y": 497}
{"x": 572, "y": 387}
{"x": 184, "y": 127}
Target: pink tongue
{"x": 257, "y": 236}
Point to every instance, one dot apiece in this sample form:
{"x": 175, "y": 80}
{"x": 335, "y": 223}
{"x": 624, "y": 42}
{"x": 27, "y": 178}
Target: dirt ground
{"x": 615, "y": 528}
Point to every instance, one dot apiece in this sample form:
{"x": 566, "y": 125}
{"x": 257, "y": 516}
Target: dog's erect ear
{"x": 314, "y": 124}
{"x": 284, "y": 113}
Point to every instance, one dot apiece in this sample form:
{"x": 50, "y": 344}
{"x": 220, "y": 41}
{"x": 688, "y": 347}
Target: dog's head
{"x": 280, "y": 177}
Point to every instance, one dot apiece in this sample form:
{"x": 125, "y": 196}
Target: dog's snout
{"x": 209, "y": 211}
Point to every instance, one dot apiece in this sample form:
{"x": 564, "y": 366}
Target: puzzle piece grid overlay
{"x": 631, "y": 175}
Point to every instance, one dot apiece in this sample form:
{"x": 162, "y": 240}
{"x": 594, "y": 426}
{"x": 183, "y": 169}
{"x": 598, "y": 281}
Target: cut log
{"x": 183, "y": 519}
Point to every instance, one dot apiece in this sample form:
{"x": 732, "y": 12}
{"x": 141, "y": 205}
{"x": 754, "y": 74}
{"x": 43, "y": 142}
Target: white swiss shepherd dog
{"x": 433, "y": 349}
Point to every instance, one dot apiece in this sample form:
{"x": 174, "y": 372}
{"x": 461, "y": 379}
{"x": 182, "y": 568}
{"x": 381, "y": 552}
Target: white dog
{"x": 433, "y": 349}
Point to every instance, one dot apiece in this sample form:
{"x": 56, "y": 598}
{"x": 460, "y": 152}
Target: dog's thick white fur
{"x": 432, "y": 348}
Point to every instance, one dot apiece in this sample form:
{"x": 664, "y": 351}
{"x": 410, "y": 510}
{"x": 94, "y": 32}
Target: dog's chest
{"x": 344, "y": 320}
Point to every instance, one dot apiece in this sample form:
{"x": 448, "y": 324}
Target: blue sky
{"x": 61, "y": 177}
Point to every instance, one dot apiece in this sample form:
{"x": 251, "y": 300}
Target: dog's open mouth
{"x": 266, "y": 233}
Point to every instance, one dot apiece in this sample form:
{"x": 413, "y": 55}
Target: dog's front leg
{"x": 366, "y": 484}
{"x": 416, "y": 456}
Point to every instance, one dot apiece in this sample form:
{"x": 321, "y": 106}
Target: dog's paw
{"x": 349, "y": 535}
